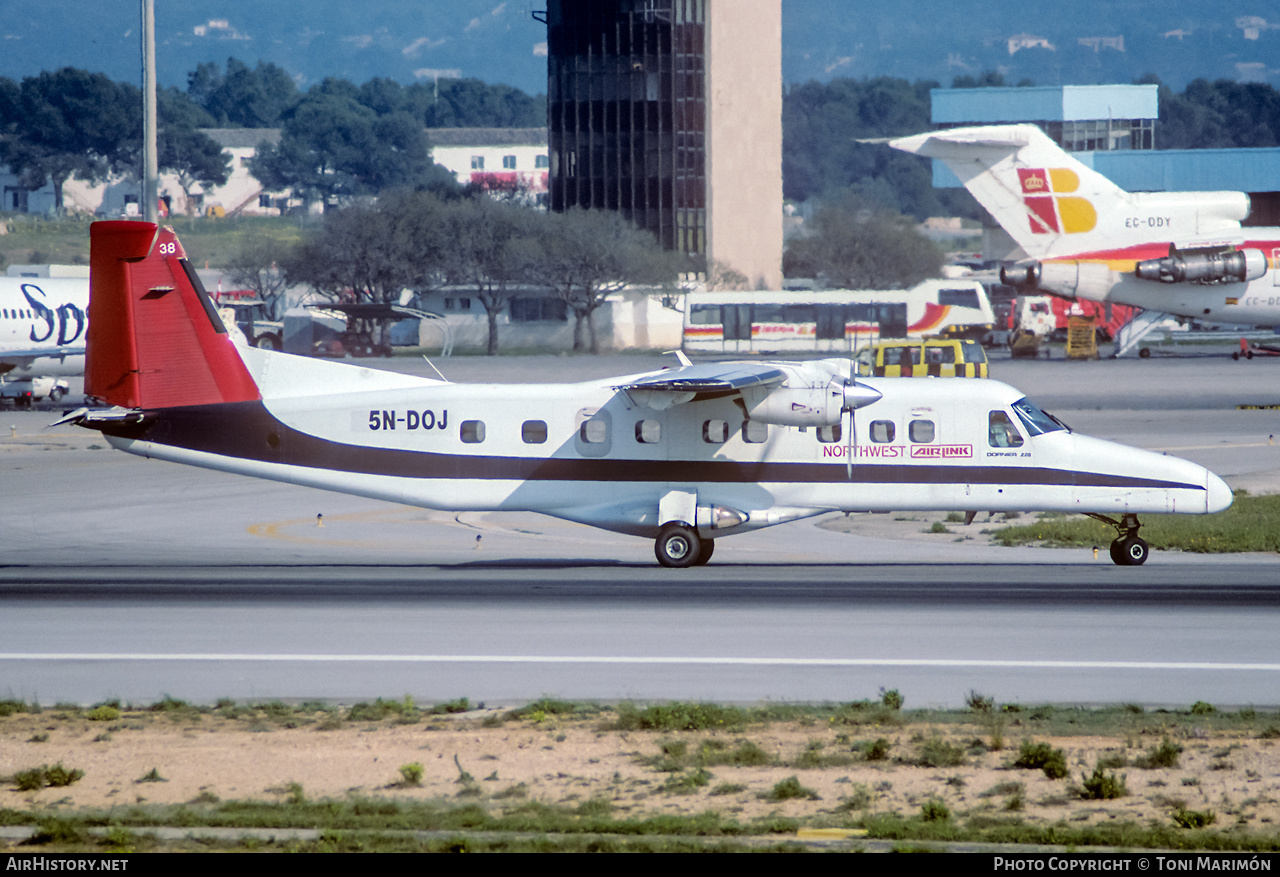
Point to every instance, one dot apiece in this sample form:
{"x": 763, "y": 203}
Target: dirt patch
{"x": 479, "y": 757}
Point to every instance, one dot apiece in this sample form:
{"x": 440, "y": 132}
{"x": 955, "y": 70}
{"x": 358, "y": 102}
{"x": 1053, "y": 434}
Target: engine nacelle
{"x": 1087, "y": 280}
{"x": 1021, "y": 276}
{"x": 820, "y": 405}
{"x": 796, "y": 406}
{"x": 1205, "y": 266}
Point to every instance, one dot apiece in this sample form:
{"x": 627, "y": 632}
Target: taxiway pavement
{"x": 131, "y": 578}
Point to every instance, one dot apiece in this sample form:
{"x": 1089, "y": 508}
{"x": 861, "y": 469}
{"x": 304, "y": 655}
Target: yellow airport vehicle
{"x": 938, "y": 358}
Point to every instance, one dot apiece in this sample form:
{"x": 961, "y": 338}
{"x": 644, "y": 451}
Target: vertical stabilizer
{"x": 155, "y": 339}
{"x": 1048, "y": 201}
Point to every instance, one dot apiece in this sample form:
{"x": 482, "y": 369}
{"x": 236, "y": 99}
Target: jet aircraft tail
{"x": 1054, "y": 206}
{"x": 155, "y": 339}
{"x": 1048, "y": 201}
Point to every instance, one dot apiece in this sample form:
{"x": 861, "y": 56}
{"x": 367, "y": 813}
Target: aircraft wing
{"x": 705, "y": 381}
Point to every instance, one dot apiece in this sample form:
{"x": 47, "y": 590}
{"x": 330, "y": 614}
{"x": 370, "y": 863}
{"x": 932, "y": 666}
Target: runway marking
{"x": 275, "y": 529}
{"x": 605, "y": 659}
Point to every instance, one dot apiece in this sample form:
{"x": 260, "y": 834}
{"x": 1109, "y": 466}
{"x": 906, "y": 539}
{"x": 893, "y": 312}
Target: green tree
{"x": 333, "y": 148}
{"x": 243, "y": 97}
{"x": 1222, "y": 114}
{"x": 853, "y": 245}
{"x": 373, "y": 252}
{"x": 470, "y": 103}
{"x": 69, "y": 123}
{"x": 255, "y": 266}
{"x": 489, "y": 248}
{"x": 174, "y": 107}
{"x": 824, "y": 124}
{"x": 194, "y": 157}
{"x": 583, "y": 256}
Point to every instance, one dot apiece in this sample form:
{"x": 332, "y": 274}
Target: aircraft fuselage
{"x": 43, "y": 323}
{"x": 591, "y": 453}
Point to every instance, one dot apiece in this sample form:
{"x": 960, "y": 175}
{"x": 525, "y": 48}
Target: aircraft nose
{"x": 1219, "y": 494}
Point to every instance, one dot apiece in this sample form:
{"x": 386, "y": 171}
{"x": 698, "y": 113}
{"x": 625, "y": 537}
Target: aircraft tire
{"x": 678, "y": 546}
{"x": 1130, "y": 551}
{"x": 1236, "y": 356}
{"x": 55, "y": 395}
{"x": 1144, "y": 353}
{"x": 1248, "y": 354}
{"x": 705, "y": 552}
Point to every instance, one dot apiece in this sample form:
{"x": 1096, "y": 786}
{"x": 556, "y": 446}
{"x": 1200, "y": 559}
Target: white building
{"x": 631, "y": 318}
{"x": 242, "y": 195}
{"x": 497, "y": 159}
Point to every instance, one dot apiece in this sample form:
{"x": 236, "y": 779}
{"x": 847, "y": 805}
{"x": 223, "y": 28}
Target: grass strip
{"x": 1251, "y": 524}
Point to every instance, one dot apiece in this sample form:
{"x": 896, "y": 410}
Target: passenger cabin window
{"x": 594, "y": 437}
{"x": 882, "y": 431}
{"x": 829, "y": 435}
{"x": 648, "y": 432}
{"x": 534, "y": 432}
{"x": 1001, "y": 433}
{"x": 715, "y": 432}
{"x": 921, "y": 431}
{"x": 472, "y": 432}
{"x": 754, "y": 432}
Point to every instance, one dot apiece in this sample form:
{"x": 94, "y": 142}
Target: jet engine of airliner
{"x": 1205, "y": 266}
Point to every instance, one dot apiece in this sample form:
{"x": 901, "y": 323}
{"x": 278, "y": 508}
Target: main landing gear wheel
{"x": 678, "y": 546}
{"x": 704, "y": 553}
{"x": 1127, "y": 549}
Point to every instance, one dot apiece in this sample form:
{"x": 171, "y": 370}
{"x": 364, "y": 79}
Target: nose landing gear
{"x": 1127, "y": 549}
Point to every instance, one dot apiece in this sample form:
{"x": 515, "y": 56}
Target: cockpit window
{"x": 1001, "y": 433}
{"x": 1036, "y": 421}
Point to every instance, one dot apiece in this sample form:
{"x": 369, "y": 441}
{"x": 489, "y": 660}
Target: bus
{"x": 832, "y": 320}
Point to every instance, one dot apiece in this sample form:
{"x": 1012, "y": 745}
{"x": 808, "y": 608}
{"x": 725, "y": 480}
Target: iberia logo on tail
{"x": 1051, "y": 208}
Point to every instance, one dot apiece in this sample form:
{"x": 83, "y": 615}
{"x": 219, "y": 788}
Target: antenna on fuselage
{"x": 436, "y": 370}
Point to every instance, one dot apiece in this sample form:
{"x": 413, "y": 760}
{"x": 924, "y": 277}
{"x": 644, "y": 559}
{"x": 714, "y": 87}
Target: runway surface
{"x": 135, "y": 579}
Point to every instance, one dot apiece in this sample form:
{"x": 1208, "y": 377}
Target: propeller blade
{"x": 851, "y": 447}
{"x": 855, "y": 396}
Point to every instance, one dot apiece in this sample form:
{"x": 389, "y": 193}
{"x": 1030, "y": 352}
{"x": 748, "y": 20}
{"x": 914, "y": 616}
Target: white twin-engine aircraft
{"x": 1180, "y": 253}
{"x": 683, "y": 456}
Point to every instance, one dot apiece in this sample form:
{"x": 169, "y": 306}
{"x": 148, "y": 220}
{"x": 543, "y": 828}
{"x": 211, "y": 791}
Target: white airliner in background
{"x": 1171, "y": 253}
{"x": 43, "y": 324}
{"x": 683, "y": 456}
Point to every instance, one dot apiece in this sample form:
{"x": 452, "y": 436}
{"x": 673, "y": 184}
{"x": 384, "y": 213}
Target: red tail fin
{"x": 155, "y": 339}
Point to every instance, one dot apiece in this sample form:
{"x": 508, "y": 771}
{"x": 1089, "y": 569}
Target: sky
{"x": 500, "y": 41}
